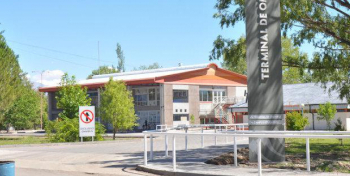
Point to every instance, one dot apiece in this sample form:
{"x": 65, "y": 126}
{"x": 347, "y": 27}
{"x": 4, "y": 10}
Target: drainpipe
{"x": 313, "y": 117}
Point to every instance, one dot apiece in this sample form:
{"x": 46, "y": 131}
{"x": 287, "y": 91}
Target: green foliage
{"x": 10, "y": 78}
{"x": 295, "y": 121}
{"x": 25, "y": 111}
{"x": 149, "y": 67}
{"x": 325, "y": 24}
{"x": 339, "y": 125}
{"x": 103, "y": 70}
{"x": 121, "y": 58}
{"x": 327, "y": 112}
{"x": 192, "y": 119}
{"x": 70, "y": 97}
{"x": 67, "y": 130}
{"x": 117, "y": 106}
{"x": 234, "y": 58}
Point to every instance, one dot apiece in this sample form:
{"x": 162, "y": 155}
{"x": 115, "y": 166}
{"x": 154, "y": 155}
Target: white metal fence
{"x": 253, "y": 134}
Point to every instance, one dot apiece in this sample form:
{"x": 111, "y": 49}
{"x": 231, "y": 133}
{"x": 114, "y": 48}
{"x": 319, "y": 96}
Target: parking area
{"x": 101, "y": 158}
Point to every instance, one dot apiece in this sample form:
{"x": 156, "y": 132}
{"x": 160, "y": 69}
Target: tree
{"x": 234, "y": 58}
{"x": 25, "y": 111}
{"x": 117, "y": 106}
{"x": 10, "y": 78}
{"x": 296, "y": 121}
{"x": 103, "y": 70}
{"x": 121, "y": 58}
{"x": 149, "y": 67}
{"x": 327, "y": 112}
{"x": 70, "y": 96}
{"x": 323, "y": 23}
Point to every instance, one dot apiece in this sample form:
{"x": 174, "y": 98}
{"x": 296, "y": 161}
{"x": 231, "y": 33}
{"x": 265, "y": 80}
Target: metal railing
{"x": 236, "y": 126}
{"x": 307, "y": 135}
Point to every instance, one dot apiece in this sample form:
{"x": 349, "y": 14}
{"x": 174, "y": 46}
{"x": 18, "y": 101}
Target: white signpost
{"x": 86, "y": 122}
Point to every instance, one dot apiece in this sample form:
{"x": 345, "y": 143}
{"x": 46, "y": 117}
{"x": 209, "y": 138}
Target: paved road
{"x": 101, "y": 158}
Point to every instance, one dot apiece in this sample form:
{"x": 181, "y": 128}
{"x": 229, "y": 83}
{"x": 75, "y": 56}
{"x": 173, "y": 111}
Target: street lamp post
{"x": 41, "y": 97}
{"x": 302, "y": 108}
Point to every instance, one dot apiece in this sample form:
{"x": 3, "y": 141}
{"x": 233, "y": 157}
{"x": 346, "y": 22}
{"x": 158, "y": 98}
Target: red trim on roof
{"x": 162, "y": 79}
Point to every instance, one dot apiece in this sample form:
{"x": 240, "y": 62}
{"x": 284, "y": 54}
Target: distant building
{"x": 169, "y": 96}
{"x": 304, "y": 98}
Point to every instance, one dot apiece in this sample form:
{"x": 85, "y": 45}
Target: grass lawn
{"x": 327, "y": 155}
{"x": 298, "y": 146}
{"x": 22, "y": 140}
{"x": 38, "y": 140}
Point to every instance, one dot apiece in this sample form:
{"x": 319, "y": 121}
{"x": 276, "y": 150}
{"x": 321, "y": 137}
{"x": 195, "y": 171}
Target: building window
{"x": 152, "y": 94}
{"x": 181, "y": 117}
{"x": 205, "y": 95}
{"x": 146, "y": 96}
{"x": 180, "y": 96}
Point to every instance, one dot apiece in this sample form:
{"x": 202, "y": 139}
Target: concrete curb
{"x": 168, "y": 173}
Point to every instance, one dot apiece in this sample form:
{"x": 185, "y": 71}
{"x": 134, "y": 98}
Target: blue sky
{"x": 167, "y": 32}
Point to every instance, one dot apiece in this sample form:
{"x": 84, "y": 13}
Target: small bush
{"x": 295, "y": 121}
{"x": 192, "y": 119}
{"x": 67, "y": 130}
{"x": 339, "y": 127}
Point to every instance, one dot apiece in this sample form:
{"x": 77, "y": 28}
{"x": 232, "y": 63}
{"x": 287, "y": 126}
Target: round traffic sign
{"x": 87, "y": 116}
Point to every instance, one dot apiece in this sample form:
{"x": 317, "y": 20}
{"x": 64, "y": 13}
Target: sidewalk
{"x": 196, "y": 168}
{"x": 191, "y": 162}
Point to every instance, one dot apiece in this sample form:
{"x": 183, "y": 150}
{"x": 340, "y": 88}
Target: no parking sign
{"x": 86, "y": 121}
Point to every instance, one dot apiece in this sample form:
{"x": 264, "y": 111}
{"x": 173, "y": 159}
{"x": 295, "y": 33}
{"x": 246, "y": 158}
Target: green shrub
{"x": 192, "y": 119}
{"x": 295, "y": 121}
{"x": 339, "y": 127}
{"x": 67, "y": 130}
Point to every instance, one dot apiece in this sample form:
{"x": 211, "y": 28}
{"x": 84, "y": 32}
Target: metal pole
{"x": 145, "y": 150}
{"x": 92, "y": 139}
{"x": 235, "y": 151}
{"x": 166, "y": 145}
{"x": 41, "y": 103}
{"x": 151, "y": 148}
{"x": 308, "y": 154}
{"x": 81, "y": 139}
{"x": 216, "y": 139}
{"x": 226, "y": 136}
{"x": 174, "y": 153}
{"x": 202, "y": 138}
{"x": 186, "y": 140}
{"x": 259, "y": 157}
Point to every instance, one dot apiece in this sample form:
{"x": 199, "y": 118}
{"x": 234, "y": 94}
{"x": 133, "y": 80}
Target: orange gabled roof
{"x": 207, "y": 75}
{"x": 211, "y": 75}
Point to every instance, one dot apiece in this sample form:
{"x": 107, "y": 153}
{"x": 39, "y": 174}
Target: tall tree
{"x": 117, "y": 106}
{"x": 327, "y": 112}
{"x": 324, "y": 23}
{"x": 121, "y": 58}
{"x": 70, "y": 96}
{"x": 10, "y": 78}
{"x": 103, "y": 70}
{"x": 25, "y": 111}
{"x": 149, "y": 67}
{"x": 234, "y": 58}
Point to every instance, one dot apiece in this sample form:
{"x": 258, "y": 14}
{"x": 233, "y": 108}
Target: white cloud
{"x": 49, "y": 78}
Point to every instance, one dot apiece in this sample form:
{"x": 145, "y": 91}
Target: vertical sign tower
{"x": 265, "y": 98}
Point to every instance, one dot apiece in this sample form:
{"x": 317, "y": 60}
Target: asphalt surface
{"x": 98, "y": 158}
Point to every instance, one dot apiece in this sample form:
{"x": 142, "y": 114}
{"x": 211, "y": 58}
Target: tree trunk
{"x": 114, "y": 131}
